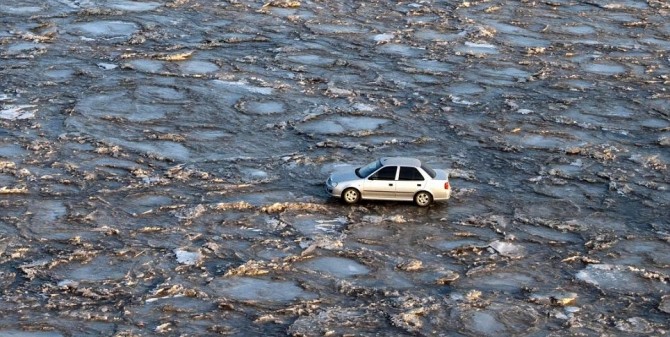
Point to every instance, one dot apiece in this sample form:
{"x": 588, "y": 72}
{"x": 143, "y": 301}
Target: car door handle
{"x": 390, "y": 184}
{"x": 418, "y": 185}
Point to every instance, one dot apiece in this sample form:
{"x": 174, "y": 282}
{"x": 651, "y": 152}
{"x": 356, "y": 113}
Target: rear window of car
{"x": 428, "y": 170}
{"x": 410, "y": 173}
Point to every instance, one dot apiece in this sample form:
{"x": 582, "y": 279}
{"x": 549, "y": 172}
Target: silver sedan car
{"x": 391, "y": 178}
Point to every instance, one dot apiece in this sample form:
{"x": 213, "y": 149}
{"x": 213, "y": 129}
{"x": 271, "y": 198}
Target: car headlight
{"x": 332, "y": 183}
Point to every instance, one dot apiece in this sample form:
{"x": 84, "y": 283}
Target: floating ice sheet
{"x": 149, "y": 66}
{"x": 508, "y": 249}
{"x": 253, "y": 289}
{"x": 478, "y": 48}
{"x": 337, "y": 266}
{"x": 106, "y": 29}
{"x": 618, "y": 278}
{"x": 20, "y": 10}
{"x": 261, "y": 107}
{"x": 14, "y": 112}
{"x": 342, "y": 125}
{"x": 20, "y": 333}
{"x": 187, "y": 257}
{"x": 268, "y": 102}
{"x": 133, "y": 6}
{"x": 198, "y": 67}
{"x": 385, "y": 37}
{"x": 24, "y": 47}
{"x": 243, "y": 86}
{"x": 101, "y": 268}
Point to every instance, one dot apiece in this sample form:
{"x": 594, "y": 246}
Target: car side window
{"x": 410, "y": 173}
{"x": 386, "y": 173}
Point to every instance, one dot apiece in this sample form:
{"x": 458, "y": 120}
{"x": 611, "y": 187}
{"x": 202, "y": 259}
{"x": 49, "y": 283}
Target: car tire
{"x": 351, "y": 196}
{"x": 423, "y": 199}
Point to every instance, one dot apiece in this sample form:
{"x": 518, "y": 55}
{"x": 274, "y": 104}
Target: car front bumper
{"x": 328, "y": 187}
{"x": 331, "y": 190}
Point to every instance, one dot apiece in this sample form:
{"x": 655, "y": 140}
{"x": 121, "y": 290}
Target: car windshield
{"x": 366, "y": 170}
{"x": 428, "y": 170}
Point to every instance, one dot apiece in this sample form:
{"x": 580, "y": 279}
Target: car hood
{"x": 341, "y": 176}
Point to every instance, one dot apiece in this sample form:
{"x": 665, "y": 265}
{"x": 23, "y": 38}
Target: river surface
{"x": 162, "y": 167}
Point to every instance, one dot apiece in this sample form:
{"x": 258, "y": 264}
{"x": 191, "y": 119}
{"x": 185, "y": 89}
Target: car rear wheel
{"x": 423, "y": 199}
{"x": 351, "y": 196}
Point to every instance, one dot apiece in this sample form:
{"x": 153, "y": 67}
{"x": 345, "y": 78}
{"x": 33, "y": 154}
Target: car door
{"x": 410, "y": 181}
{"x": 381, "y": 184}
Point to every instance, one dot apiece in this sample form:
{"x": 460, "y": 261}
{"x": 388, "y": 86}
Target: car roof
{"x": 400, "y": 161}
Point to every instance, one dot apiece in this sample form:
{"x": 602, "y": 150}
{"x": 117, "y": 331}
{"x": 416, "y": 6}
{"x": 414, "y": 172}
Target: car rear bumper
{"x": 442, "y": 195}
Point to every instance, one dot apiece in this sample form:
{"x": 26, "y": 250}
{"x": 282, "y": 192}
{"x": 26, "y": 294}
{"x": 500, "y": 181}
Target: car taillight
{"x": 446, "y": 185}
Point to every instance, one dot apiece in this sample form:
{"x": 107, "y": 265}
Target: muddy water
{"x": 162, "y": 162}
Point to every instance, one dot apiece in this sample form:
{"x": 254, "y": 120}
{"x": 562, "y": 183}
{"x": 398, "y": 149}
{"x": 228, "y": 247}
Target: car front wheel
{"x": 423, "y": 199}
{"x": 351, "y": 196}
